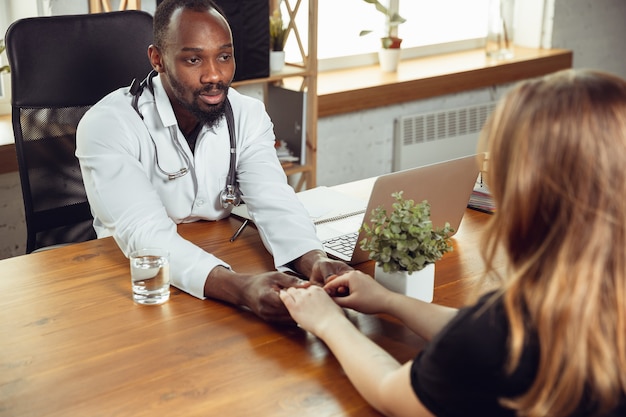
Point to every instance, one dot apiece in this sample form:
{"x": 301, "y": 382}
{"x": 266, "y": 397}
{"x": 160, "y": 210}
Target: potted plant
{"x": 405, "y": 246}
{"x": 278, "y": 37}
{"x": 389, "y": 54}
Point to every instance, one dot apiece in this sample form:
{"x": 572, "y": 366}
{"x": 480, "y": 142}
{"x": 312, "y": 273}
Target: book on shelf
{"x": 481, "y": 199}
{"x": 285, "y": 155}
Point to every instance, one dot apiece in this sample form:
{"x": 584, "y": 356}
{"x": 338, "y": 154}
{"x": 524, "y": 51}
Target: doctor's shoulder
{"x": 110, "y": 116}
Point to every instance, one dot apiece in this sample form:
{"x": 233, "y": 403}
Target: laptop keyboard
{"x": 343, "y": 244}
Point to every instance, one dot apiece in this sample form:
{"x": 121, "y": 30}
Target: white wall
{"x": 359, "y": 145}
{"x": 595, "y": 30}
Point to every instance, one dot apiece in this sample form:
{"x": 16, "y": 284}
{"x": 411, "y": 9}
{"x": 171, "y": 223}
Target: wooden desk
{"x": 72, "y": 342}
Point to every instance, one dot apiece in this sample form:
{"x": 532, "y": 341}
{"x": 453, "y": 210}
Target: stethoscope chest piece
{"x": 230, "y": 196}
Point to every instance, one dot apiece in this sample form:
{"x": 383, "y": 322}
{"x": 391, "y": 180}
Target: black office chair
{"x": 60, "y": 67}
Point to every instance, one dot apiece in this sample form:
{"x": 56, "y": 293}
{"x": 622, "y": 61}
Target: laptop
{"x": 446, "y": 185}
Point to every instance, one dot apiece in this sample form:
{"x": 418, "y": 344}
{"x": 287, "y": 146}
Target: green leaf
{"x": 405, "y": 239}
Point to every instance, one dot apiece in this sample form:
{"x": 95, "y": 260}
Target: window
{"x": 442, "y": 21}
{"x": 9, "y": 12}
{"x": 3, "y": 61}
{"x": 457, "y": 24}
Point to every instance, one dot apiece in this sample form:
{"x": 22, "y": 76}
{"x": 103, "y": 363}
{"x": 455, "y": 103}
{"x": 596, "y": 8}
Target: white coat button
{"x": 199, "y": 202}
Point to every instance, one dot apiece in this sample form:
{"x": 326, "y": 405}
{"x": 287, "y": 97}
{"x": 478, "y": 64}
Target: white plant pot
{"x": 389, "y": 59}
{"x": 277, "y": 61}
{"x": 419, "y": 284}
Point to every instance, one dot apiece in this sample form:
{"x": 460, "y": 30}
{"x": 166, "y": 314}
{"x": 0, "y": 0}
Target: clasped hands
{"x": 280, "y": 297}
{"x": 260, "y": 292}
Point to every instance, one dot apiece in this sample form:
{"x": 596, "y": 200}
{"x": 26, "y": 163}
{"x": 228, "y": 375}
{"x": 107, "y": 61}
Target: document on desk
{"x": 332, "y": 211}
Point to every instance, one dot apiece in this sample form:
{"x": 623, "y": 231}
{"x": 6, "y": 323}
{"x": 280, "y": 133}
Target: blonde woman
{"x": 552, "y": 340}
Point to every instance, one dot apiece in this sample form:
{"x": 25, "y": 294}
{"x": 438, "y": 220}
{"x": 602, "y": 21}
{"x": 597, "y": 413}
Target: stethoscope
{"x": 230, "y": 195}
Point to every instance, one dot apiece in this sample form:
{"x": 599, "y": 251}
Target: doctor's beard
{"x": 210, "y": 117}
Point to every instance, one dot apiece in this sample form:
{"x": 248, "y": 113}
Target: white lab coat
{"x": 135, "y": 203}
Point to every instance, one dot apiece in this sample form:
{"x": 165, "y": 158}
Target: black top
{"x": 192, "y": 137}
{"x": 461, "y": 372}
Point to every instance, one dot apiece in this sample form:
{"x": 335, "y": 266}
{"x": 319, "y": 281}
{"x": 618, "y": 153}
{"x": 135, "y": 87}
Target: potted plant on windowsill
{"x": 405, "y": 246}
{"x": 389, "y": 54}
{"x": 278, "y": 38}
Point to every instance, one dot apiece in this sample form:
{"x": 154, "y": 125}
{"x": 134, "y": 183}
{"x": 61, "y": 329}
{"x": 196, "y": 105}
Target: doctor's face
{"x": 197, "y": 64}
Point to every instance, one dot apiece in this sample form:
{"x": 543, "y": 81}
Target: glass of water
{"x": 150, "y": 275}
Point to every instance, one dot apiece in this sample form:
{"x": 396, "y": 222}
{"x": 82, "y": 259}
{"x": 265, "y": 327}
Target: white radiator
{"x": 428, "y": 138}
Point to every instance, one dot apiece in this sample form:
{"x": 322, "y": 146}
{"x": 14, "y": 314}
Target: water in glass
{"x": 150, "y": 278}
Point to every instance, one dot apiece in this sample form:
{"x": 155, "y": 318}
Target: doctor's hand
{"x": 257, "y": 292}
{"x": 319, "y": 267}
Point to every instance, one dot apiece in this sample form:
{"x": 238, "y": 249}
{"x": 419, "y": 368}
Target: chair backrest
{"x": 60, "y": 67}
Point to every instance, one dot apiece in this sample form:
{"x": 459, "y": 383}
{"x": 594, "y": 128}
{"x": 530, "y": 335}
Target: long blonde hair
{"x": 557, "y": 171}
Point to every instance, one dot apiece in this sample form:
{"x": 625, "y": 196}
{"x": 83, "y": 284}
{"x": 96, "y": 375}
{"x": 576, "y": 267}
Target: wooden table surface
{"x": 73, "y": 343}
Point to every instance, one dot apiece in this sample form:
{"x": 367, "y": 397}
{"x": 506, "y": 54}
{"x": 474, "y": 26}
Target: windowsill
{"x": 356, "y": 89}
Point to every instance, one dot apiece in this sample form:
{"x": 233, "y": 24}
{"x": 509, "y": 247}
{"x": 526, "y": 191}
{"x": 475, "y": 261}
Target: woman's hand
{"x": 311, "y": 308}
{"x": 358, "y": 291}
